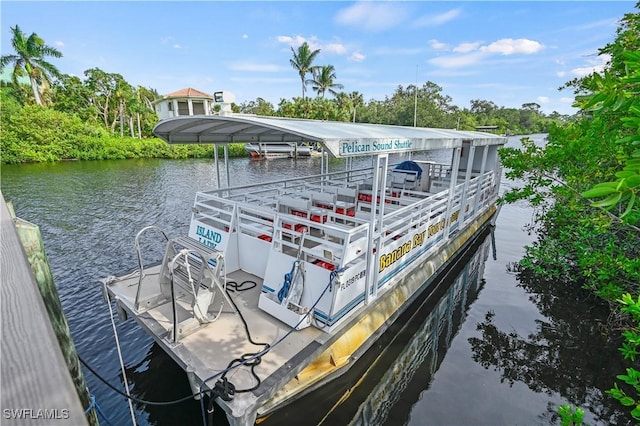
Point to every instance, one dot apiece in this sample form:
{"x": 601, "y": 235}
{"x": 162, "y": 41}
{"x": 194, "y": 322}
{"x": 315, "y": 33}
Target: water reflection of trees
{"x": 569, "y": 354}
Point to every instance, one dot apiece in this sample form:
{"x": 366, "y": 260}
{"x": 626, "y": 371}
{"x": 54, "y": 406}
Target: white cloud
{"x": 251, "y": 66}
{"x": 59, "y": 43}
{"x": 509, "y": 46}
{"x": 566, "y": 100}
{"x": 284, "y": 39}
{"x": 561, "y": 74}
{"x": 466, "y": 47}
{"x": 595, "y": 65}
{"x": 471, "y": 53}
{"x": 177, "y": 46}
{"x": 584, "y": 71}
{"x": 435, "y": 44}
{"x": 335, "y": 48}
{"x": 357, "y": 57}
{"x": 245, "y": 36}
{"x": 543, "y": 99}
{"x": 293, "y": 41}
{"x": 433, "y": 20}
{"x": 456, "y": 61}
{"x": 372, "y": 16}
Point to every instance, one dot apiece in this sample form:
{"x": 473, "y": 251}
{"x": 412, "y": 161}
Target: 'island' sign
{"x": 207, "y": 236}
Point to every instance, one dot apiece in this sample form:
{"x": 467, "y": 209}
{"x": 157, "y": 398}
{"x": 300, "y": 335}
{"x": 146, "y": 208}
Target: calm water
{"x": 509, "y": 353}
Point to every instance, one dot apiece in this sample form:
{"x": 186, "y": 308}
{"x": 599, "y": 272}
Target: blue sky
{"x": 506, "y": 52}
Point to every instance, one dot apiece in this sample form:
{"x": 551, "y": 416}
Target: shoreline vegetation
{"x": 32, "y": 133}
{"x": 584, "y": 186}
{"x": 49, "y": 116}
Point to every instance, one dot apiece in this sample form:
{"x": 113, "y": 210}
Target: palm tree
{"x": 357, "y": 100}
{"x": 322, "y": 80}
{"x": 29, "y": 60}
{"x": 302, "y": 61}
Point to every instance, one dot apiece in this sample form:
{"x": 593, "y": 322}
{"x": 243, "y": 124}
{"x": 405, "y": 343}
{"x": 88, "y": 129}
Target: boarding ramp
{"x": 193, "y": 278}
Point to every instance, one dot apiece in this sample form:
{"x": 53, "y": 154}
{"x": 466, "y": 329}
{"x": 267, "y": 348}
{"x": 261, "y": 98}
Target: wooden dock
{"x": 37, "y": 388}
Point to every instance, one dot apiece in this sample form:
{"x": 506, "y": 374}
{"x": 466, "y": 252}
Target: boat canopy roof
{"x": 342, "y": 139}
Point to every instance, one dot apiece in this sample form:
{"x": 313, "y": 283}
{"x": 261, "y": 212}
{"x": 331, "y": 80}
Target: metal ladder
{"x": 192, "y": 272}
{"x": 190, "y": 275}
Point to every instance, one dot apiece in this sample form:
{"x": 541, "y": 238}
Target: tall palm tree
{"x": 323, "y": 80}
{"x": 357, "y": 100}
{"x": 29, "y": 60}
{"x": 302, "y": 61}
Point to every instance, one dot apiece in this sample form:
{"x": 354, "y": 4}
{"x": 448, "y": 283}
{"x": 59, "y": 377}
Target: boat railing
{"x": 332, "y": 215}
{"x": 292, "y": 185}
{"x": 399, "y": 221}
{"x": 215, "y": 212}
{"x": 141, "y": 272}
{"x": 327, "y": 243}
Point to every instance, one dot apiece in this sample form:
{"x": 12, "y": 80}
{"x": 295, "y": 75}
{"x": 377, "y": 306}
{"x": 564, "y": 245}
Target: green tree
{"x": 324, "y": 80}
{"x": 142, "y": 108}
{"x": 302, "y": 61}
{"x": 72, "y": 96}
{"x": 316, "y": 109}
{"x": 29, "y": 59}
{"x": 483, "y": 108}
{"x": 593, "y": 244}
{"x": 357, "y": 101}
{"x": 350, "y": 102}
{"x": 106, "y": 94}
{"x": 258, "y": 107}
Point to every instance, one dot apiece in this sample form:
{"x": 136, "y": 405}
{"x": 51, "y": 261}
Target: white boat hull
{"x": 278, "y": 150}
{"x": 333, "y": 259}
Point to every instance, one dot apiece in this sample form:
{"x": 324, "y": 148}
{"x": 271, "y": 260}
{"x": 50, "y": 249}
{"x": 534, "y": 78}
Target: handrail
{"x": 284, "y": 181}
{"x": 140, "y": 263}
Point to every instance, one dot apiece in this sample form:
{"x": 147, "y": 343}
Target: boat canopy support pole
{"x": 485, "y": 151}
{"x": 497, "y": 170}
{"x": 217, "y": 163}
{"x": 464, "y": 202}
{"x": 383, "y": 162}
{"x": 324, "y": 162}
{"x": 380, "y": 162}
{"x": 226, "y": 163}
{"x": 457, "y": 152}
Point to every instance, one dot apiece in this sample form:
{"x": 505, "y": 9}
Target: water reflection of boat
{"x": 379, "y": 385}
{"x": 279, "y": 286}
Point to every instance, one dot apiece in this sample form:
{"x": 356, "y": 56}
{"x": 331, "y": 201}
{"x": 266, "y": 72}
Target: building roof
{"x": 189, "y": 92}
{"x": 342, "y": 139}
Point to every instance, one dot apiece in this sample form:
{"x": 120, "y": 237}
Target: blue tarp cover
{"x": 409, "y": 165}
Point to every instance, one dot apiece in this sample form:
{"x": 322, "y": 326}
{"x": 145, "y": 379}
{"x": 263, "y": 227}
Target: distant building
{"x": 187, "y": 101}
{"x": 190, "y": 101}
{"x": 490, "y": 129}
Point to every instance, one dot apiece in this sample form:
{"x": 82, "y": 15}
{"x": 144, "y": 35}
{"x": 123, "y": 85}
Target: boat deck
{"x": 207, "y": 352}
{"x": 210, "y": 349}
